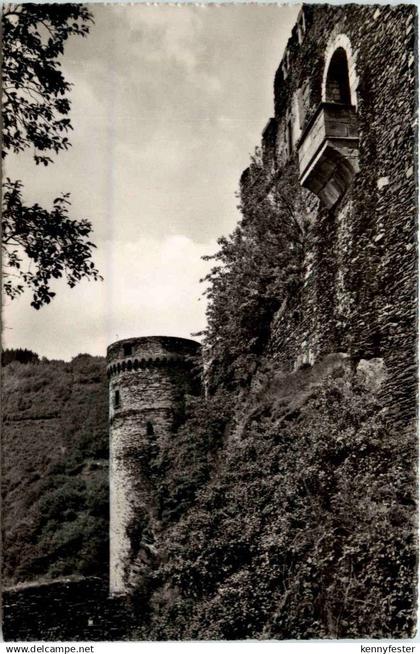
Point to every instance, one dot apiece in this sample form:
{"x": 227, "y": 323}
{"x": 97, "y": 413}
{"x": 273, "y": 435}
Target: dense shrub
{"x": 258, "y": 268}
{"x": 185, "y": 465}
{"x": 305, "y": 530}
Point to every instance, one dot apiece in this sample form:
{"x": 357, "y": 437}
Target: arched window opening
{"x": 149, "y": 429}
{"x": 338, "y": 85}
{"x": 328, "y": 148}
{"x": 117, "y": 399}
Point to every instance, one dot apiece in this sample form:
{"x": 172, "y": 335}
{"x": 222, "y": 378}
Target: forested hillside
{"x": 54, "y": 469}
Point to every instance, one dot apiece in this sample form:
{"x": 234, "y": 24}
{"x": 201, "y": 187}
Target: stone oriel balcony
{"x": 328, "y": 151}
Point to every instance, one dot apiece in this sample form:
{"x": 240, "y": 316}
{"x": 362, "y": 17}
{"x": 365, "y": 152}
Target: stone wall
{"x": 359, "y": 293}
{"x": 66, "y": 610}
{"x": 149, "y": 380}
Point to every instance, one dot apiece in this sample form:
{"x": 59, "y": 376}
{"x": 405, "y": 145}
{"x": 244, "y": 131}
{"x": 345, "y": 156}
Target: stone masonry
{"x": 345, "y": 121}
{"x": 65, "y": 610}
{"x": 149, "y": 378}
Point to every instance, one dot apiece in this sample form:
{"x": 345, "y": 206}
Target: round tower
{"x": 148, "y": 380}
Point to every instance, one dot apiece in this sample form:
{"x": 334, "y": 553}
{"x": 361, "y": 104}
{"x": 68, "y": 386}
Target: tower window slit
{"x": 128, "y": 349}
{"x": 289, "y": 130}
{"x": 117, "y": 399}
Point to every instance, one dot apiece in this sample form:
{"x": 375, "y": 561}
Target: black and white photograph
{"x": 209, "y": 322}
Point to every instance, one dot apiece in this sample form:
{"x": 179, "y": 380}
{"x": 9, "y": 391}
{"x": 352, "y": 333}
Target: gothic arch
{"x": 337, "y": 85}
{"x": 338, "y": 54}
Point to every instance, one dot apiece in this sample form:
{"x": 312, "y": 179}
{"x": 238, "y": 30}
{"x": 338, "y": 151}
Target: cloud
{"x": 178, "y": 34}
{"x": 168, "y": 103}
{"x": 151, "y": 286}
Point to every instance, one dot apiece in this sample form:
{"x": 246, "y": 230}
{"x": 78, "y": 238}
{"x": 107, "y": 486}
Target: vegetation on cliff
{"x": 258, "y": 268}
{"x": 292, "y": 495}
{"x": 304, "y": 529}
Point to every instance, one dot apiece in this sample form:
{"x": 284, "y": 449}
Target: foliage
{"x": 306, "y": 530}
{"x": 258, "y": 269}
{"x": 185, "y": 465}
{"x": 23, "y": 356}
{"x": 55, "y": 469}
{"x": 35, "y": 115}
{"x": 55, "y": 244}
{"x": 35, "y": 92}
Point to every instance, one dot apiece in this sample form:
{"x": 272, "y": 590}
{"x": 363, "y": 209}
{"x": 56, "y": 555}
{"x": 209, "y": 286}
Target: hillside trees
{"x": 23, "y": 356}
{"x": 38, "y": 244}
{"x": 54, "y": 483}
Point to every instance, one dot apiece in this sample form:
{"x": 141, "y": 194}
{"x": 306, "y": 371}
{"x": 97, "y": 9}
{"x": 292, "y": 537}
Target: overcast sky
{"x": 167, "y": 106}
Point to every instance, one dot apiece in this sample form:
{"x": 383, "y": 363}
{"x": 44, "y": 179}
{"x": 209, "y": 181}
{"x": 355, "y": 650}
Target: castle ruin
{"x": 149, "y": 378}
{"x": 343, "y": 130}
